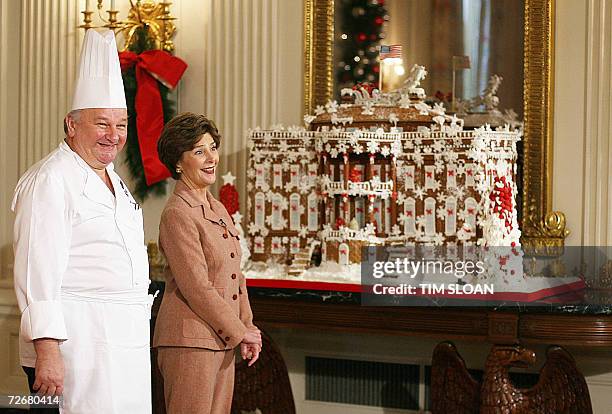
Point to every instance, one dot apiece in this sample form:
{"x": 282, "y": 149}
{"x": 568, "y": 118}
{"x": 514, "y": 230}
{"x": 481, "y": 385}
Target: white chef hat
{"x": 99, "y": 83}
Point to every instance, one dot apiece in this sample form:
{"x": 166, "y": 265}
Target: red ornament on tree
{"x": 361, "y": 37}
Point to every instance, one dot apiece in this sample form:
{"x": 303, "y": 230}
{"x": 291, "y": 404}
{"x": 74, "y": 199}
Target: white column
{"x": 597, "y": 218}
{"x": 241, "y": 85}
{"x": 39, "y": 45}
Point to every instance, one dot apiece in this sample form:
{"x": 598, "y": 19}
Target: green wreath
{"x": 141, "y": 42}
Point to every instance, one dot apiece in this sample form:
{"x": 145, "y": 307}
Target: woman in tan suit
{"x": 205, "y": 311}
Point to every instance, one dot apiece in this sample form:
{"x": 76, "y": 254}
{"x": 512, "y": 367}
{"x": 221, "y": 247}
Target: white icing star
{"x": 228, "y": 178}
{"x": 237, "y": 217}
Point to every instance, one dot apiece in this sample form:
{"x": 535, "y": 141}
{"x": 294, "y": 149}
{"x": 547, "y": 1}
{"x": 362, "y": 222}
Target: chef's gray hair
{"x": 75, "y": 115}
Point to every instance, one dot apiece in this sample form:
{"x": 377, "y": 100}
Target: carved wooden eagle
{"x": 561, "y": 388}
{"x": 264, "y": 386}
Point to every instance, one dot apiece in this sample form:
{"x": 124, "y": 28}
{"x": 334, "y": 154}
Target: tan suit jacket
{"x": 205, "y": 304}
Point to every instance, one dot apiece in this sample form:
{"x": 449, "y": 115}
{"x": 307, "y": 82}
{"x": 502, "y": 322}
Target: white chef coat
{"x": 81, "y": 276}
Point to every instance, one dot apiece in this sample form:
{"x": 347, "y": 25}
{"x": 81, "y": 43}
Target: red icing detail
{"x": 501, "y": 200}
{"x": 339, "y": 222}
{"x": 355, "y": 175}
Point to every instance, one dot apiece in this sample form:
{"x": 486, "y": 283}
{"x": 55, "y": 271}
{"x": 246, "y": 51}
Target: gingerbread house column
{"x": 394, "y": 193}
{"x": 370, "y": 200}
{"x": 345, "y": 202}
{"x": 321, "y": 191}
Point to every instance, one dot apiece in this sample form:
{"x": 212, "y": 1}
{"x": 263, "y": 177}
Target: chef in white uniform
{"x": 81, "y": 269}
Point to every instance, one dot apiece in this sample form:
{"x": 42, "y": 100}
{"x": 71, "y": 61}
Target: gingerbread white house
{"x": 384, "y": 170}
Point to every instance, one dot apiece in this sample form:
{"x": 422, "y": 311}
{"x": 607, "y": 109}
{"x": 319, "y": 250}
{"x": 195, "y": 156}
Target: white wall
{"x": 244, "y": 71}
{"x": 582, "y": 161}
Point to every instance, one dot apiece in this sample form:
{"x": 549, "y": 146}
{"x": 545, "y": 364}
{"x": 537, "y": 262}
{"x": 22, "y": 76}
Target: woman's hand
{"x": 252, "y": 336}
{"x": 250, "y": 351}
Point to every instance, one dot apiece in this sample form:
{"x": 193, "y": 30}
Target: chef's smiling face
{"x": 97, "y": 135}
{"x": 199, "y": 166}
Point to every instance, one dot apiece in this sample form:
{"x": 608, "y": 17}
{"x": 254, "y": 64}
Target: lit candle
{"x": 112, "y": 4}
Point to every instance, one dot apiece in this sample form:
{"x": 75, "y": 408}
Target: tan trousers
{"x": 196, "y": 380}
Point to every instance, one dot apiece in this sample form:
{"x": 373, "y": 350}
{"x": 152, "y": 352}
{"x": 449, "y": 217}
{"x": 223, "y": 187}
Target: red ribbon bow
{"x": 152, "y": 66}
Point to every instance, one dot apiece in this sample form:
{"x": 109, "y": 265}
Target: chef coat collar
{"x": 212, "y": 208}
{"x": 94, "y": 188}
{"x": 65, "y": 147}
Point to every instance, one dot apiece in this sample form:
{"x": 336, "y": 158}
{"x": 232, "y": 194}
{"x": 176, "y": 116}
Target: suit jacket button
{"x": 232, "y": 255}
{"x": 220, "y": 331}
{"x": 227, "y": 338}
{"x": 224, "y": 236}
{"x": 233, "y": 275}
{"x": 235, "y": 297}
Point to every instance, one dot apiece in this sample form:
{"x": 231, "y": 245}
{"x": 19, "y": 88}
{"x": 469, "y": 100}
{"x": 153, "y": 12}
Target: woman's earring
{"x": 179, "y": 170}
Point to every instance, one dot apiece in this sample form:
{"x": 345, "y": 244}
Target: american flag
{"x": 390, "y": 51}
{"x": 461, "y": 62}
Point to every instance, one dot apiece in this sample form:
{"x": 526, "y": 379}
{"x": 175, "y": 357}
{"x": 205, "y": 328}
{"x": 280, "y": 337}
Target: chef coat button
{"x": 224, "y": 236}
{"x": 235, "y": 297}
{"x": 227, "y": 338}
{"x": 233, "y": 275}
{"x": 220, "y": 331}
{"x": 232, "y": 255}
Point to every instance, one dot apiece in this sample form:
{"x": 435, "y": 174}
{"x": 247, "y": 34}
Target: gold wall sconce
{"x": 155, "y": 16}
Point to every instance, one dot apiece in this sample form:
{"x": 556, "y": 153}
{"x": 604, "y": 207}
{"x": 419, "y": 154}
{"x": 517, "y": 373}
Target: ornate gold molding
{"x": 318, "y": 52}
{"x": 543, "y": 230}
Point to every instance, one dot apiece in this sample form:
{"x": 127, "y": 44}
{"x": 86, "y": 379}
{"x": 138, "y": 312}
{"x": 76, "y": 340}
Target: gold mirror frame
{"x": 543, "y": 230}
